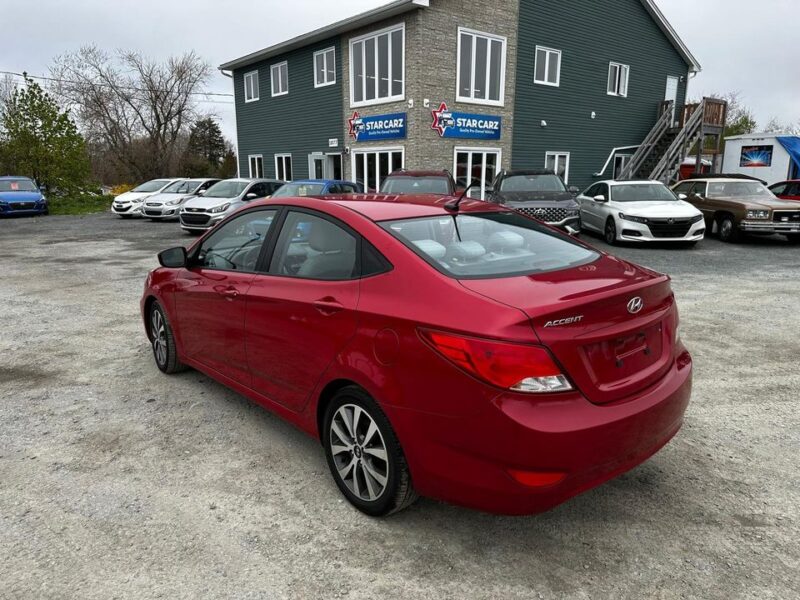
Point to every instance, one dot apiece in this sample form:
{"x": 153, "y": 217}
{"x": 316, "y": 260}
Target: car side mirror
{"x": 600, "y": 198}
{"x": 200, "y": 193}
{"x": 574, "y": 190}
{"x": 173, "y": 258}
{"x": 682, "y": 196}
{"x": 251, "y": 196}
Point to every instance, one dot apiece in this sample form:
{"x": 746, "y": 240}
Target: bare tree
{"x": 7, "y": 87}
{"x": 137, "y": 110}
{"x": 777, "y": 126}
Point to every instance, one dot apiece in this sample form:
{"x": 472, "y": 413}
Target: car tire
{"x": 727, "y": 230}
{"x": 162, "y": 341}
{"x": 371, "y": 472}
{"x": 610, "y": 232}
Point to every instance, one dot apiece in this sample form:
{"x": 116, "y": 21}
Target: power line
{"x": 61, "y": 80}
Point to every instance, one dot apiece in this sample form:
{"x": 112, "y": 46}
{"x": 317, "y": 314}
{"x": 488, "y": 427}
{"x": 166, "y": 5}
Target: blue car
{"x": 21, "y": 196}
{"x": 316, "y": 187}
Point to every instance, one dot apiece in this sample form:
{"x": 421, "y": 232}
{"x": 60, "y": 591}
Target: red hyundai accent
{"x": 460, "y": 351}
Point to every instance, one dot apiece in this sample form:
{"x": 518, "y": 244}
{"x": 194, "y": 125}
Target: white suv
{"x": 639, "y": 211}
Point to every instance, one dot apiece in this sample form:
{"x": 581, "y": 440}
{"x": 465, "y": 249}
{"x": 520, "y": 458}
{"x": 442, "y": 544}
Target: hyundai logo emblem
{"x": 635, "y": 305}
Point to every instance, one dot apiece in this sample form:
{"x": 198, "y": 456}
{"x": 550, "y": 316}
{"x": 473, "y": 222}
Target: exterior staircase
{"x": 663, "y": 151}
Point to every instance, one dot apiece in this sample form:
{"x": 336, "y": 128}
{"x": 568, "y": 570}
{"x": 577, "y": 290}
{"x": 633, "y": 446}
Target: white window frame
{"x": 324, "y": 55}
{"x": 490, "y": 37}
{"x": 251, "y": 75}
{"x": 623, "y": 159}
{"x": 272, "y": 71}
{"x": 250, "y": 159}
{"x": 558, "y": 154}
{"x": 619, "y": 90}
{"x": 376, "y": 100}
{"x": 549, "y": 53}
{"x": 484, "y": 150}
{"x": 377, "y": 150}
{"x": 282, "y": 157}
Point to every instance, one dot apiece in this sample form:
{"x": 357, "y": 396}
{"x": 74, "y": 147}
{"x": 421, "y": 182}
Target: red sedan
{"x": 460, "y": 351}
{"x": 787, "y": 190}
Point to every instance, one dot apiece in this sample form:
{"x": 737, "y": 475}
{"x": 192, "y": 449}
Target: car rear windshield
{"x": 151, "y": 186}
{"x": 290, "y": 190}
{"x": 17, "y": 185}
{"x": 489, "y": 245}
{"x": 226, "y": 189}
{"x": 532, "y": 183}
{"x": 655, "y": 192}
{"x": 416, "y": 185}
{"x": 738, "y": 189}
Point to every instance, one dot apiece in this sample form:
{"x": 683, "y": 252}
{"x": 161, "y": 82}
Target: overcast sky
{"x": 745, "y": 46}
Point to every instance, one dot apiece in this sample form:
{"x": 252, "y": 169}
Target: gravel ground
{"x": 118, "y": 481}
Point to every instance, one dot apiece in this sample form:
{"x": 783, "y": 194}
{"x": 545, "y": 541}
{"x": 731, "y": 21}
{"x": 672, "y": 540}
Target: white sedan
{"x": 639, "y": 211}
{"x": 129, "y": 204}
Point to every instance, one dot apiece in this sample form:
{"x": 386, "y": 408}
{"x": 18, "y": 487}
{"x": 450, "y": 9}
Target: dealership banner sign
{"x": 377, "y": 128}
{"x": 756, "y": 156}
{"x": 465, "y": 125}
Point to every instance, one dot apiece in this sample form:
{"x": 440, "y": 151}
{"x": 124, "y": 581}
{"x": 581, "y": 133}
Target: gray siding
{"x": 590, "y": 34}
{"x": 298, "y": 123}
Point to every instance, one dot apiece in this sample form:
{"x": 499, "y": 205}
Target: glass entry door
{"x": 370, "y": 168}
{"x": 478, "y": 165}
{"x": 325, "y": 166}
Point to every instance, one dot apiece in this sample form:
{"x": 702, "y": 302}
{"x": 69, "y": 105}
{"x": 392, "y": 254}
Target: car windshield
{"x": 415, "y": 185}
{"x": 489, "y": 245}
{"x": 654, "y": 192}
{"x": 532, "y": 183}
{"x": 151, "y": 186}
{"x": 182, "y": 187}
{"x": 226, "y": 189}
{"x": 17, "y": 185}
{"x": 299, "y": 189}
{"x": 738, "y": 189}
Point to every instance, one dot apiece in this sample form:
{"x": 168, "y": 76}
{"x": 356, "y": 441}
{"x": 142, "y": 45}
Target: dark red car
{"x": 787, "y": 190}
{"x": 461, "y": 352}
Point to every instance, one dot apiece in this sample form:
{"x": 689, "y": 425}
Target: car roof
{"x": 322, "y": 181}
{"x": 518, "y": 172}
{"x": 724, "y": 177}
{"x": 12, "y": 177}
{"x": 419, "y": 173}
{"x": 390, "y": 207}
{"x": 632, "y": 182}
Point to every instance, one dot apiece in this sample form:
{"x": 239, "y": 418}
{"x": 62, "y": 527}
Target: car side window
{"x": 602, "y": 190}
{"x": 779, "y": 189}
{"x": 792, "y": 189}
{"x": 206, "y": 185}
{"x": 592, "y": 191}
{"x": 347, "y": 188}
{"x": 259, "y": 189}
{"x": 699, "y": 188}
{"x": 684, "y": 187}
{"x": 311, "y": 247}
{"x": 237, "y": 244}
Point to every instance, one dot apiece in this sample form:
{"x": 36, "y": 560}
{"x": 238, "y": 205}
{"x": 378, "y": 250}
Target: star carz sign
{"x": 465, "y": 125}
{"x": 379, "y": 127}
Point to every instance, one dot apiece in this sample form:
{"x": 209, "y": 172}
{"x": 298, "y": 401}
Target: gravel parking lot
{"x": 118, "y": 481}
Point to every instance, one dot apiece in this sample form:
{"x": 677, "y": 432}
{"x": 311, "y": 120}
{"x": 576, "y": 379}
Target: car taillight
{"x": 516, "y": 367}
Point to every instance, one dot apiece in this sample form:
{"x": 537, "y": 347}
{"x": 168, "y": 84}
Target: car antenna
{"x": 455, "y": 204}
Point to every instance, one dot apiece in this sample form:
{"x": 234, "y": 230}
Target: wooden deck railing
{"x": 715, "y": 112}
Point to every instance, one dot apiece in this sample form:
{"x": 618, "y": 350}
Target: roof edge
{"x": 387, "y": 11}
{"x": 673, "y": 36}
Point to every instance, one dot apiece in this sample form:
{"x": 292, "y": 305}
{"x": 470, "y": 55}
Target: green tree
{"x": 39, "y": 140}
{"x": 207, "y": 151}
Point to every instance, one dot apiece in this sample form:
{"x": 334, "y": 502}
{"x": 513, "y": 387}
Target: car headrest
{"x": 465, "y": 252}
{"x": 505, "y": 241}
{"x": 327, "y": 237}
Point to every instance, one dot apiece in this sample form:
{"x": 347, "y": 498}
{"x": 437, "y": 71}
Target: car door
{"x": 211, "y": 292}
{"x": 593, "y": 210}
{"x": 302, "y": 311}
{"x": 698, "y": 195}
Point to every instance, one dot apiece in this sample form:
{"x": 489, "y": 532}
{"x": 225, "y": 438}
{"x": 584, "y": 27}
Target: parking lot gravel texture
{"x": 117, "y": 481}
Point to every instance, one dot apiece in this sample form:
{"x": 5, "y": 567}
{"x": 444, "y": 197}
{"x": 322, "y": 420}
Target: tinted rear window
{"x": 404, "y": 184}
{"x": 489, "y": 245}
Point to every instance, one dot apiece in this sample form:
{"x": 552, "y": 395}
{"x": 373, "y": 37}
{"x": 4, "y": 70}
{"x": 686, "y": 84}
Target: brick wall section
{"x": 430, "y": 73}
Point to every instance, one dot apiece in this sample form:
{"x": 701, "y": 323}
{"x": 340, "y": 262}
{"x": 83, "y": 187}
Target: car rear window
{"x": 404, "y": 184}
{"x": 489, "y": 245}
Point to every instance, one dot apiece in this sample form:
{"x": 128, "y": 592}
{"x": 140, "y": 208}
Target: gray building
{"x": 464, "y": 85}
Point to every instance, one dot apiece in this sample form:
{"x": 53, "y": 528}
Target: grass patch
{"x": 79, "y": 204}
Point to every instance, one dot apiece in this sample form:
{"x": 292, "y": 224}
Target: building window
{"x": 370, "y": 167}
{"x": 256, "y": 166}
{"x": 325, "y": 67}
{"x": 476, "y": 165}
{"x": 283, "y": 167}
{"x": 559, "y": 163}
{"x": 280, "y": 78}
{"x": 377, "y": 67}
{"x": 481, "y": 67}
{"x": 620, "y": 162}
{"x": 618, "y": 79}
{"x": 251, "y": 86}
{"x": 548, "y": 66}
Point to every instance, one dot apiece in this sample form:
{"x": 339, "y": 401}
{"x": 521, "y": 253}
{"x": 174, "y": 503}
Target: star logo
{"x": 442, "y": 119}
{"x": 356, "y": 125}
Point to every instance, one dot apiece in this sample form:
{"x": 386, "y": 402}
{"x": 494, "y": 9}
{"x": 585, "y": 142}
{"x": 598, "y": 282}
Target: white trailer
{"x": 770, "y": 157}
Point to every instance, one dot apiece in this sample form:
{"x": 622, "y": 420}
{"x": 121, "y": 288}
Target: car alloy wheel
{"x": 163, "y": 341}
{"x": 611, "y": 232}
{"x": 364, "y": 454}
{"x": 728, "y": 232}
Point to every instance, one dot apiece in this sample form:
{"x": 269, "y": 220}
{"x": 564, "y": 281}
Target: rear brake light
{"x": 516, "y": 367}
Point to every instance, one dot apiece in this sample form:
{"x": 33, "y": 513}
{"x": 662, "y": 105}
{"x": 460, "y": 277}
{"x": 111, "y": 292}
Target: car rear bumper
{"x": 768, "y": 227}
{"x": 469, "y": 461}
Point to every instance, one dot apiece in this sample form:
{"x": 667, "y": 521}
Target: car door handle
{"x": 229, "y": 292}
{"x": 328, "y": 306}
